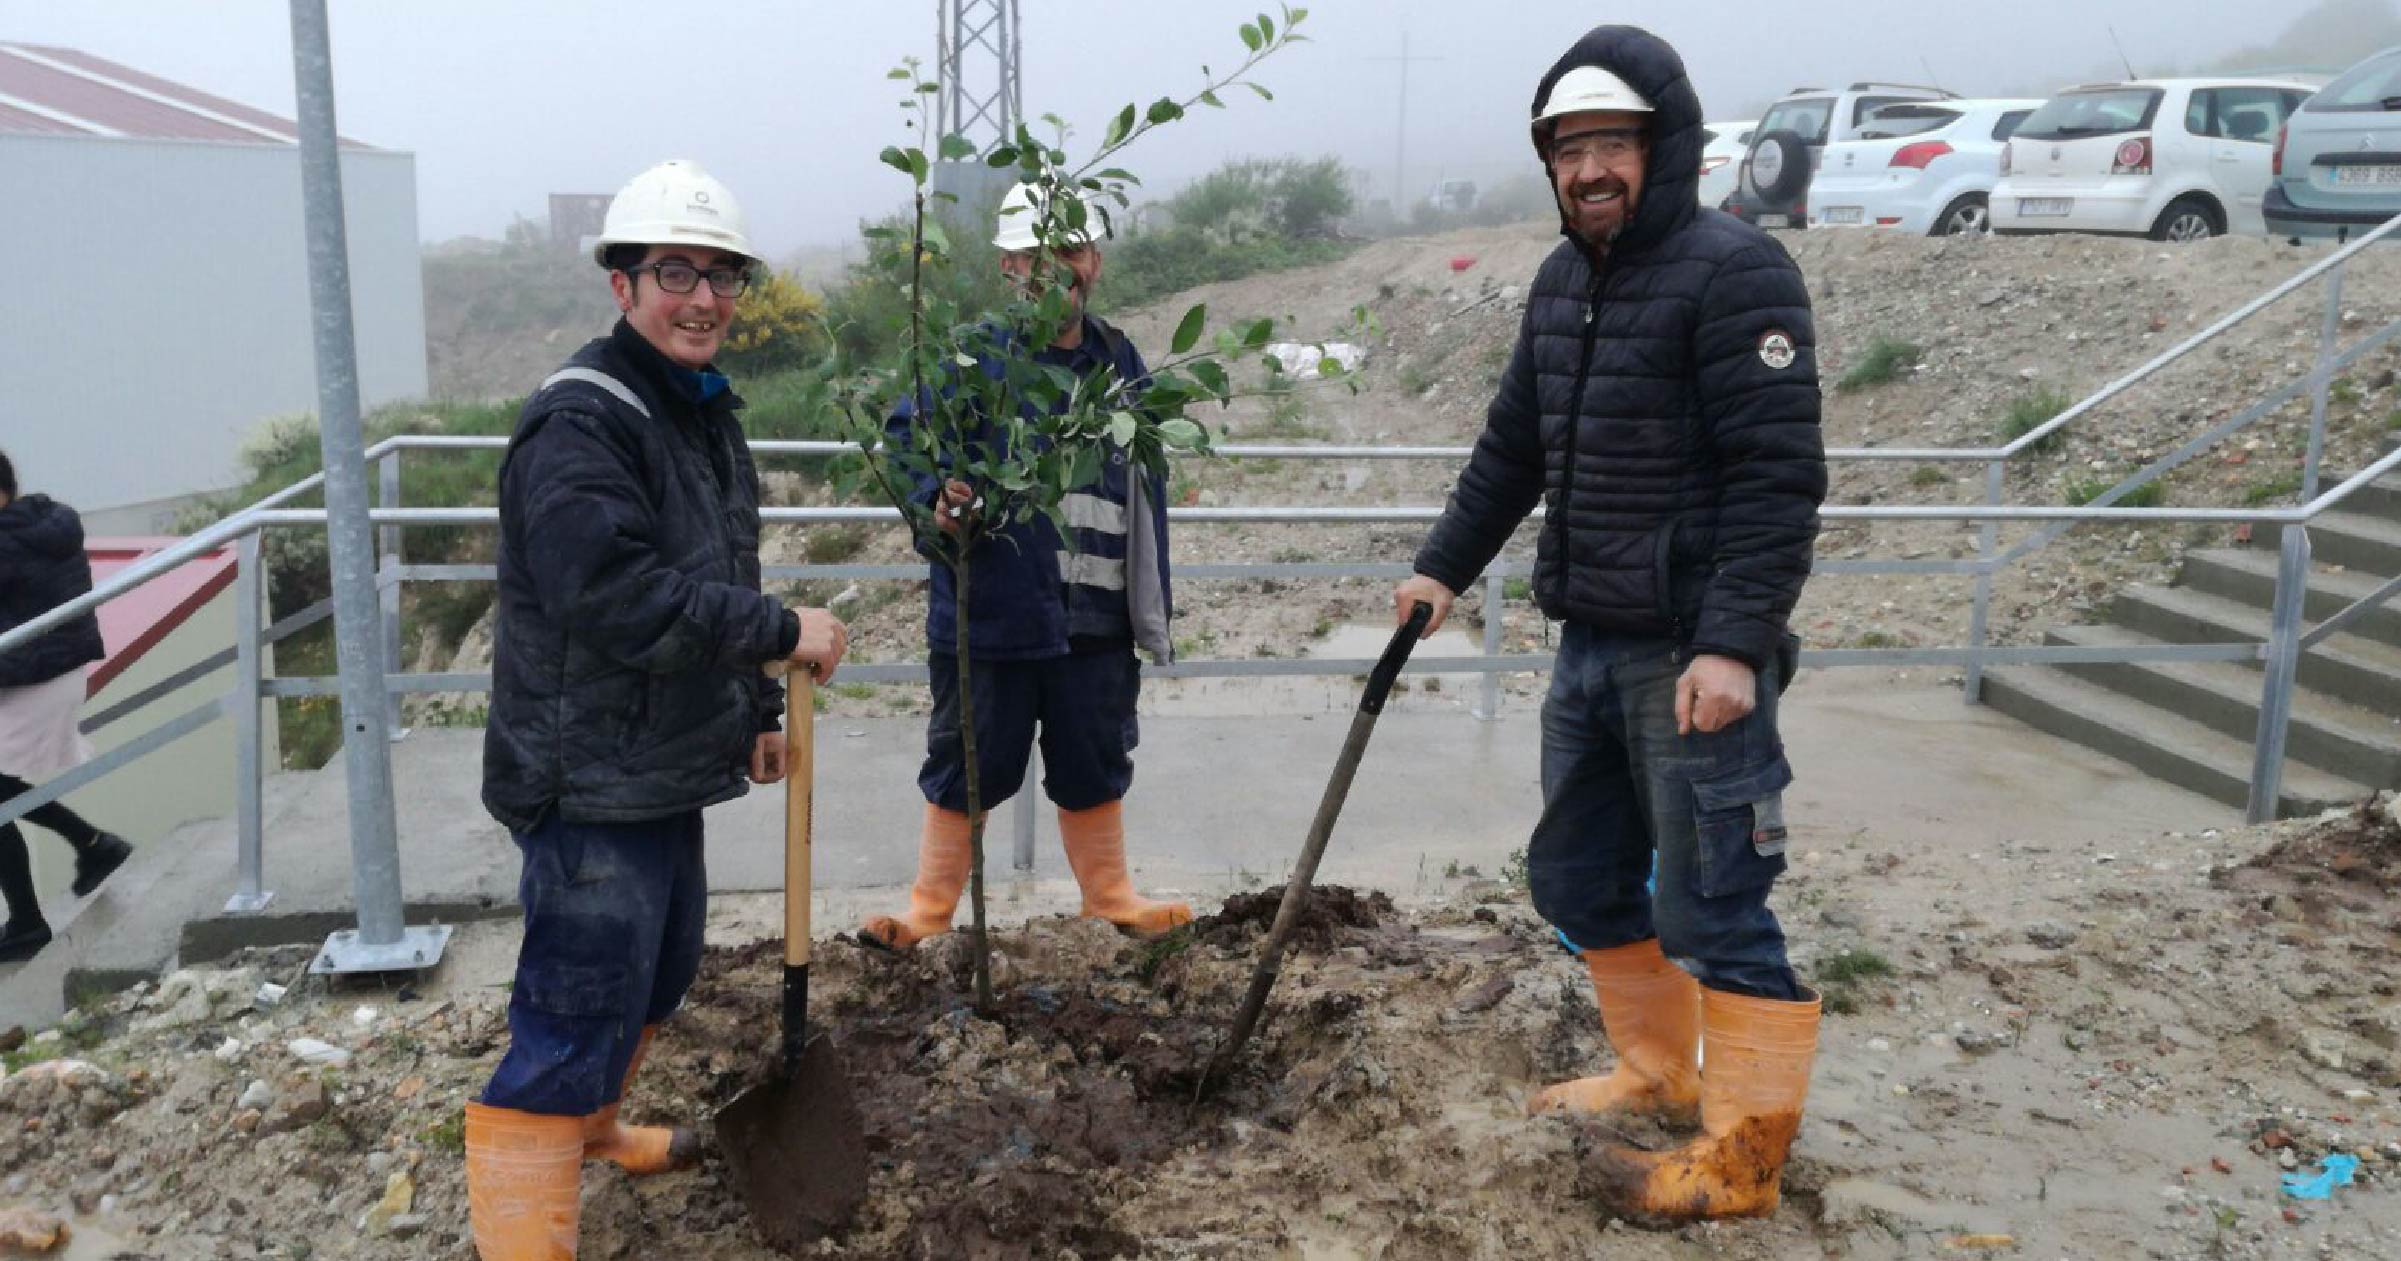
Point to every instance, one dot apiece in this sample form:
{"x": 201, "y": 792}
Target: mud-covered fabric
{"x": 42, "y": 566}
{"x": 613, "y": 919}
{"x": 1624, "y": 798}
{"x": 1661, "y": 404}
{"x": 626, "y": 678}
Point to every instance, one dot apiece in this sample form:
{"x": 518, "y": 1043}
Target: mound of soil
{"x": 2360, "y": 846}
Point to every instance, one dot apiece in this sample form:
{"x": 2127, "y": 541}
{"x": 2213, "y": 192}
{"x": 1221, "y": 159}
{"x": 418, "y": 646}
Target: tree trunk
{"x": 975, "y": 795}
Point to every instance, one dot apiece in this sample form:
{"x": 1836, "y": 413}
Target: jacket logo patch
{"x": 1776, "y": 349}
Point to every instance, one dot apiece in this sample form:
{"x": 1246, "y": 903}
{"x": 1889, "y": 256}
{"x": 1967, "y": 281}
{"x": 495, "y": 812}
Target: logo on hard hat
{"x": 1776, "y": 349}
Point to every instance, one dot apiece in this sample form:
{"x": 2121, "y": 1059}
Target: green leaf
{"x": 1188, "y": 330}
{"x": 1258, "y": 334}
{"x": 1329, "y": 367}
{"x": 1212, "y": 375}
{"x": 894, "y": 158}
{"x": 1122, "y": 428}
{"x": 1118, "y": 127}
{"x": 1210, "y": 99}
{"x": 1163, "y": 111}
{"x": 964, "y": 360}
{"x": 1115, "y": 173}
{"x": 1261, "y": 89}
{"x": 1267, "y": 28}
{"x": 1180, "y": 433}
{"x": 955, "y": 147}
{"x": 898, "y": 72}
{"x": 936, "y": 237}
{"x": 1250, "y": 37}
{"x": 918, "y": 166}
{"x": 1294, "y": 17}
{"x": 1002, "y": 156}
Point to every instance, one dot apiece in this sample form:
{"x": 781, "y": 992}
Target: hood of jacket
{"x": 1670, "y": 198}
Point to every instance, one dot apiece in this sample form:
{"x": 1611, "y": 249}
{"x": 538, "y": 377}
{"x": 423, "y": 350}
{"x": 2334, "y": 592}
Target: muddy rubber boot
{"x": 1651, "y": 1010}
{"x": 1095, "y": 841}
{"x": 1757, "y": 1076}
{"x": 944, "y": 853}
{"x": 524, "y": 1171}
{"x": 638, "y": 1149}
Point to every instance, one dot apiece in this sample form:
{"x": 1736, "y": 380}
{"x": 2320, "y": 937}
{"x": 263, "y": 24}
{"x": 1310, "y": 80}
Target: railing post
{"x": 1988, "y": 544}
{"x": 249, "y": 743}
{"x": 2322, "y": 383}
{"x": 1488, "y": 693}
{"x": 1023, "y": 809}
{"x": 387, "y": 578}
{"x": 2283, "y": 659}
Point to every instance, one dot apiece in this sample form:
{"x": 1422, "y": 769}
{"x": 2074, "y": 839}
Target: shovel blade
{"x": 797, "y": 1150}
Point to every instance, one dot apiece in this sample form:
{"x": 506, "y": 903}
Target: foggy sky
{"x": 505, "y": 101}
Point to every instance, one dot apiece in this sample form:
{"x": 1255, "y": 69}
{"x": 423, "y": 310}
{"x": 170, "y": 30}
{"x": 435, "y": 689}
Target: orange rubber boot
{"x": 523, "y": 1173}
{"x": 1756, "y": 1078}
{"x": 638, "y": 1149}
{"x": 1651, "y": 1010}
{"x": 944, "y": 854}
{"x": 1095, "y": 841}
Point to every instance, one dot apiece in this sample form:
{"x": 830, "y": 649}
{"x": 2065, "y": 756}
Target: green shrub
{"x": 2029, "y": 412}
{"x": 2150, "y": 494}
{"x": 1884, "y": 362}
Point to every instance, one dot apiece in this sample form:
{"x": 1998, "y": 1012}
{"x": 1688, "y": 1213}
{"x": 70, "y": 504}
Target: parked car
{"x": 1927, "y": 167}
{"x": 1723, "y": 145}
{"x": 2172, "y": 159}
{"x": 2336, "y": 169}
{"x": 1772, "y": 185}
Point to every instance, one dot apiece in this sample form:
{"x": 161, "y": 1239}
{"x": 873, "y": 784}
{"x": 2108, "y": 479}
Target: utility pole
{"x": 1400, "y": 131}
{"x": 976, "y": 39}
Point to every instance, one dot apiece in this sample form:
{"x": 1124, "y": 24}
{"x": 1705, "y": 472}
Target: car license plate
{"x": 2045, "y": 207}
{"x": 1775, "y": 221}
{"x": 2369, "y": 176}
{"x": 1846, "y": 214}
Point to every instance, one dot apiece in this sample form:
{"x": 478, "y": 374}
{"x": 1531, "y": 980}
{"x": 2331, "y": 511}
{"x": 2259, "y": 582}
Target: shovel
{"x": 1321, "y": 829}
{"x": 794, "y": 1144}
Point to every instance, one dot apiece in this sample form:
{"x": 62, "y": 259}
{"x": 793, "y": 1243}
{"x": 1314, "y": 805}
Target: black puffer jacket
{"x": 1663, "y": 406}
{"x": 625, "y": 673}
{"x": 42, "y": 566}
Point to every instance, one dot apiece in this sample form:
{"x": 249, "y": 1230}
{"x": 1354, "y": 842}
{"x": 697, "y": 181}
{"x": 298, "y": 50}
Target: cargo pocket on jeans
{"x": 1740, "y": 820}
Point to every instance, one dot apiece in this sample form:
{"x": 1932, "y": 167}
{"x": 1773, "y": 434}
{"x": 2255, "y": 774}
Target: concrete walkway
{"x": 1219, "y": 804}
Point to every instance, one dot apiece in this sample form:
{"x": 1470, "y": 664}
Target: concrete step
{"x": 2248, "y": 575}
{"x": 2154, "y": 741}
{"x": 2353, "y": 540}
{"x": 2379, "y": 498}
{"x": 2358, "y": 669}
{"x": 2223, "y": 696}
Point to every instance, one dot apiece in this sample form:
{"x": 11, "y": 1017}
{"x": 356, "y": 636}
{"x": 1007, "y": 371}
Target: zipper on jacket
{"x": 1575, "y": 417}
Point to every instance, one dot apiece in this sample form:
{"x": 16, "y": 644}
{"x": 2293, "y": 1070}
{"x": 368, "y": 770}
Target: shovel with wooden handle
{"x": 794, "y": 1143}
{"x": 1321, "y": 830}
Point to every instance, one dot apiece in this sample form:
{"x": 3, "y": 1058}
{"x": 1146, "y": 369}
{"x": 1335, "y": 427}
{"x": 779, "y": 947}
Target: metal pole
{"x": 1024, "y": 810}
{"x": 2283, "y": 660}
{"x": 1488, "y": 700}
{"x": 2322, "y": 384}
{"x": 1988, "y": 542}
{"x": 387, "y": 576}
{"x": 379, "y": 944}
{"x": 249, "y": 743}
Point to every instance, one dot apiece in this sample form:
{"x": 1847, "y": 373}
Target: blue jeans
{"x": 1620, "y": 786}
{"x": 613, "y": 921}
{"x": 1082, "y": 704}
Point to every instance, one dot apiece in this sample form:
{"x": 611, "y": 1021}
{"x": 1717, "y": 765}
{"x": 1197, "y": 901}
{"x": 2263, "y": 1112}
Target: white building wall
{"x": 154, "y": 307}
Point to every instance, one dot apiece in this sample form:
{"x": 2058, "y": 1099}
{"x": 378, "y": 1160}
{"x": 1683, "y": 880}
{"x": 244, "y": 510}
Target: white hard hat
{"x": 674, "y": 203}
{"x": 1588, "y": 88}
{"x": 1021, "y": 213}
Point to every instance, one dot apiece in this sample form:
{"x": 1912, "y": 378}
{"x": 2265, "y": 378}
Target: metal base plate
{"x": 418, "y": 948}
{"x": 249, "y": 903}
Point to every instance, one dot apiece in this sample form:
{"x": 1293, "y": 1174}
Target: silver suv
{"x": 2337, "y": 166}
{"x": 1773, "y": 188}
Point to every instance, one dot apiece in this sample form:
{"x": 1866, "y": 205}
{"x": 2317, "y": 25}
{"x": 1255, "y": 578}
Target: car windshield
{"x": 2101, "y": 113}
{"x": 1895, "y": 121}
{"x": 2369, "y": 87}
{"x": 1805, "y": 118}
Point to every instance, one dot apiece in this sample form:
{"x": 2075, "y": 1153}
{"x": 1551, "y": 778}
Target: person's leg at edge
{"x": 1717, "y": 811}
{"x": 1005, "y": 710}
{"x": 27, "y": 931}
{"x": 596, "y": 899}
{"x": 647, "y": 1149}
{"x": 1588, "y": 863}
{"x": 98, "y": 854}
{"x": 1089, "y": 732}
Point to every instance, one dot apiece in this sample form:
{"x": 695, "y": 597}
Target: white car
{"x": 1721, "y": 158}
{"x": 2171, "y": 159}
{"x": 1925, "y": 167}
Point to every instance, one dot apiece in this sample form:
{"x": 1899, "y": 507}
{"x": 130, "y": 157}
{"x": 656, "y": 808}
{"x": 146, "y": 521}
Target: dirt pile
{"x": 2359, "y": 846}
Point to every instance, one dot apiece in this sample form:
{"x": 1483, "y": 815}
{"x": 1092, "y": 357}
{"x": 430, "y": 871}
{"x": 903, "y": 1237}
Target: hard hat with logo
{"x": 1584, "y": 90}
{"x": 1021, "y": 213}
{"x": 674, "y": 203}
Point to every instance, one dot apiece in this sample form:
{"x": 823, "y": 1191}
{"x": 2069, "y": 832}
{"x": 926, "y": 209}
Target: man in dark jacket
{"x": 1662, "y": 403}
{"x": 627, "y": 694}
{"x": 1051, "y": 629}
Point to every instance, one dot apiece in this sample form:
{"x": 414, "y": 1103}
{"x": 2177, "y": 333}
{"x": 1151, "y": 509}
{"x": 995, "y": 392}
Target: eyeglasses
{"x": 676, "y": 276}
{"x": 1607, "y": 147}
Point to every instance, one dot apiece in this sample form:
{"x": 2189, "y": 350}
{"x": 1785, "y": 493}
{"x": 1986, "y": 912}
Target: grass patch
{"x": 2392, "y": 421}
{"x": 1877, "y": 639}
{"x": 1514, "y": 869}
{"x": 2150, "y": 494}
{"x": 1156, "y": 952}
{"x": 1886, "y": 359}
{"x": 2273, "y": 489}
{"x": 1929, "y": 475}
{"x": 1517, "y": 588}
{"x": 1839, "y": 977}
{"x": 2029, "y": 412}
{"x": 1415, "y": 379}
{"x": 447, "y": 1135}
{"x": 1287, "y": 417}
{"x": 2344, "y": 391}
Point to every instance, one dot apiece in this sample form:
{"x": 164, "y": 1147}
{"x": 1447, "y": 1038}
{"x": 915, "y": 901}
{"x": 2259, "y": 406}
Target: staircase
{"x": 2193, "y": 723}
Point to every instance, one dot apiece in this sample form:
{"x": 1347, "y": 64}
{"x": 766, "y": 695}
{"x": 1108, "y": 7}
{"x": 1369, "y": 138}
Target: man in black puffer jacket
{"x": 1662, "y": 403}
